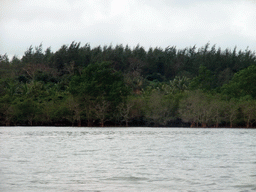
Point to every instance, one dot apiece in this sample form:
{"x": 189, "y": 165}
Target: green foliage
{"x": 78, "y": 83}
{"x": 201, "y": 108}
{"x": 162, "y": 102}
{"x": 248, "y": 107}
{"x": 179, "y": 84}
{"x": 26, "y": 110}
{"x": 242, "y": 84}
{"x": 157, "y": 108}
{"x": 193, "y": 108}
{"x": 100, "y": 81}
{"x": 203, "y": 81}
{"x": 101, "y": 88}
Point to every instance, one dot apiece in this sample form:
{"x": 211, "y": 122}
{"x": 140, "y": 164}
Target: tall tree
{"x": 99, "y": 82}
{"x": 242, "y": 84}
{"x": 249, "y": 111}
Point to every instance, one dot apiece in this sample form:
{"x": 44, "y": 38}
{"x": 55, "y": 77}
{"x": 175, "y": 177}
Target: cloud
{"x": 243, "y": 20}
{"x": 148, "y": 23}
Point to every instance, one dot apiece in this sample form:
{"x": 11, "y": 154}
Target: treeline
{"x": 122, "y": 86}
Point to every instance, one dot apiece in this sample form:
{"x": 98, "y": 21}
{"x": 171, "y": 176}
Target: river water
{"x": 127, "y": 159}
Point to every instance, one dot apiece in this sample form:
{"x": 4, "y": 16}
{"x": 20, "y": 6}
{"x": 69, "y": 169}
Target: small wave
{"x": 129, "y": 178}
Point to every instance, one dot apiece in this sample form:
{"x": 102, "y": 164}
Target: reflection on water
{"x": 127, "y": 159}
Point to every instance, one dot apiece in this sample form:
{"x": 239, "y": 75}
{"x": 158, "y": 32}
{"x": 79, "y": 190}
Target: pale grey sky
{"x": 150, "y": 23}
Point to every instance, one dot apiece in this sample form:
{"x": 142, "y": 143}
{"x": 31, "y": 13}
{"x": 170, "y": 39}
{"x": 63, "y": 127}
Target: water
{"x": 127, "y": 159}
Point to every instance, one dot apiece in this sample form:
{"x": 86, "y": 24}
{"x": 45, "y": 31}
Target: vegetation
{"x": 122, "y": 86}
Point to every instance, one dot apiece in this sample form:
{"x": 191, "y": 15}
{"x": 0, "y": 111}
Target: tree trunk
{"x": 248, "y": 124}
{"x": 89, "y": 124}
{"x": 231, "y": 122}
{"x": 203, "y": 125}
{"x": 30, "y": 122}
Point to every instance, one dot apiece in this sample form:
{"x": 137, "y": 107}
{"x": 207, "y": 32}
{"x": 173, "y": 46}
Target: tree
{"x": 216, "y": 109}
{"x": 124, "y": 110}
{"x": 99, "y": 85}
{"x": 195, "y": 108}
{"x": 242, "y": 84}
{"x": 179, "y": 84}
{"x": 133, "y": 77}
{"x": 203, "y": 81}
{"x": 27, "y": 111}
{"x": 231, "y": 110}
{"x": 101, "y": 110}
{"x": 48, "y": 110}
{"x": 249, "y": 111}
{"x": 75, "y": 109}
{"x": 5, "y": 109}
{"x": 157, "y": 107}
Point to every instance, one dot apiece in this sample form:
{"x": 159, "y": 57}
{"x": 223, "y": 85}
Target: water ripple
{"x": 126, "y": 159}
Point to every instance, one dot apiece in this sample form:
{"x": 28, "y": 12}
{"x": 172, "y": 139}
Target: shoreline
{"x": 129, "y": 127}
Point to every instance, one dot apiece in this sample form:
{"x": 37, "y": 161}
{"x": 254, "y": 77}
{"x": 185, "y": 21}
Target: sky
{"x": 149, "y": 23}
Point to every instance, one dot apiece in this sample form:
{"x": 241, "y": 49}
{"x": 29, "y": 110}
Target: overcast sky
{"x": 150, "y": 23}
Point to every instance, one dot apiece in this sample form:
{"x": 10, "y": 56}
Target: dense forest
{"x": 123, "y": 86}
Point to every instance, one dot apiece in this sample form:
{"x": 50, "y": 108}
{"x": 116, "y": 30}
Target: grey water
{"x": 127, "y": 159}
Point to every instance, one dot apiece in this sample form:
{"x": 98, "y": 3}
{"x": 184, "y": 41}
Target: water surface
{"x": 127, "y": 159}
